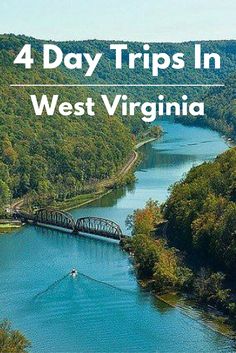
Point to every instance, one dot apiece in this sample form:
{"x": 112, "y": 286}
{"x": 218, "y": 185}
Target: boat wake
{"x": 80, "y": 274}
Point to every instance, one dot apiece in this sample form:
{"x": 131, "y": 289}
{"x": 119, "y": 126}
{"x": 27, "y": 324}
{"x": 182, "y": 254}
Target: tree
{"x": 4, "y": 196}
{"x": 143, "y": 221}
{"x": 159, "y": 264}
{"x": 201, "y": 214}
{"x": 169, "y": 271}
{"x": 12, "y": 341}
{"x": 208, "y": 288}
{"x": 146, "y": 254}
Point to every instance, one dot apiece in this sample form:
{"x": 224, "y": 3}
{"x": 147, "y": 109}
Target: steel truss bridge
{"x": 88, "y": 225}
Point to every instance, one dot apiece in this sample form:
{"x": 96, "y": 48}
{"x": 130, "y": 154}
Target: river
{"x": 83, "y": 315}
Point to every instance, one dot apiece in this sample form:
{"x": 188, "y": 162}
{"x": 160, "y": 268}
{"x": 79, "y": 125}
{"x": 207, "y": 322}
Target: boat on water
{"x": 73, "y": 273}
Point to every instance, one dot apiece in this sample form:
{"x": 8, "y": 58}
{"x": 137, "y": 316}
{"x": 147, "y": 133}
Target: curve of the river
{"x": 82, "y": 315}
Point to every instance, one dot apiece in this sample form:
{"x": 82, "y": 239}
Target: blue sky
{"x": 141, "y": 20}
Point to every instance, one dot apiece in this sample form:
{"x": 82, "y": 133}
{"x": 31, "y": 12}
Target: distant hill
{"x": 106, "y": 73}
{"x": 220, "y": 104}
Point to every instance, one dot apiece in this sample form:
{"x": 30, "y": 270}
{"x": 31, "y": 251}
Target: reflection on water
{"x": 82, "y": 315}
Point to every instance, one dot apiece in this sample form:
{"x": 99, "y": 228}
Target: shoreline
{"x": 209, "y": 319}
{"x": 9, "y": 225}
{"x": 187, "y": 306}
{"x": 109, "y": 183}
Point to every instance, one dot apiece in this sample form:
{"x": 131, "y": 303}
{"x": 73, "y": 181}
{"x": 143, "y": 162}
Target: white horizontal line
{"x": 117, "y": 85}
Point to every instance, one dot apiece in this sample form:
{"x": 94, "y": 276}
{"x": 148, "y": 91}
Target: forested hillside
{"x": 201, "y": 211}
{"x": 220, "y": 105}
{"x": 201, "y": 214}
{"x": 57, "y": 156}
{"x": 106, "y": 72}
{"x": 53, "y": 156}
{"x": 196, "y": 252}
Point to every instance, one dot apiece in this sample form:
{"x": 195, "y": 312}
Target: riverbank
{"x": 164, "y": 268}
{"x": 144, "y": 142}
{"x": 226, "y": 135}
{"x": 209, "y": 316}
{"x": 7, "y": 225}
{"x": 105, "y": 186}
{"x": 101, "y": 188}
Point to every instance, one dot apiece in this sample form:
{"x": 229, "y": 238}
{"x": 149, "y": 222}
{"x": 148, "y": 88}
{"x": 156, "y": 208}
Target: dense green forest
{"x": 196, "y": 252}
{"x": 201, "y": 211}
{"x": 106, "y": 72}
{"x": 58, "y": 156}
{"x": 53, "y": 156}
{"x": 220, "y": 109}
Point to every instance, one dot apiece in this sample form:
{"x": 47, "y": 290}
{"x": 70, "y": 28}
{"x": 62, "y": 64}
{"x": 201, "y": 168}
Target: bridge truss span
{"x": 99, "y": 226}
{"x": 89, "y": 225}
{"x": 55, "y": 218}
